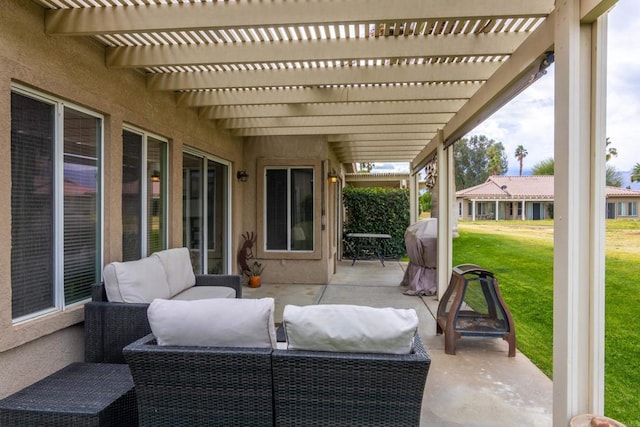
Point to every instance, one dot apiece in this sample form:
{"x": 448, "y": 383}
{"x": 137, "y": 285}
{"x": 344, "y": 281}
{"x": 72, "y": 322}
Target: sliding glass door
{"x": 205, "y": 218}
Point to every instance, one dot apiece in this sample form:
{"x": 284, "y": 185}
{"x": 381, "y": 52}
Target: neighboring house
{"x": 530, "y": 197}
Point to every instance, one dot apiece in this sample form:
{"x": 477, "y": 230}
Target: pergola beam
{"x": 499, "y": 89}
{"x": 202, "y": 16}
{"x": 346, "y": 120}
{"x": 331, "y": 109}
{"x": 322, "y": 95}
{"x": 365, "y": 137}
{"x": 316, "y": 50}
{"x": 452, "y": 72}
{"x": 325, "y": 130}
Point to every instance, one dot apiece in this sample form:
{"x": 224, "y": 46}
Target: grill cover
{"x": 421, "y": 241}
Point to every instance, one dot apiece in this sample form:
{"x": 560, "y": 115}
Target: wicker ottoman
{"x": 81, "y": 394}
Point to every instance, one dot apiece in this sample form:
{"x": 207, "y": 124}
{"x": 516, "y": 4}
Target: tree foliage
{"x": 476, "y": 159}
{"x": 614, "y": 178}
{"x": 543, "y": 167}
{"x": 425, "y": 202}
{"x": 635, "y": 173}
{"x": 378, "y": 210}
{"x": 546, "y": 167}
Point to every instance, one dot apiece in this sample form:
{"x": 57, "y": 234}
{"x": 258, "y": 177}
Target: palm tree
{"x": 611, "y": 151}
{"x": 494, "y": 160}
{"x": 635, "y": 173}
{"x": 521, "y": 153}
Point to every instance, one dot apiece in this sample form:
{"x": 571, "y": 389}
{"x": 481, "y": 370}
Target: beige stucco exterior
{"x": 74, "y": 70}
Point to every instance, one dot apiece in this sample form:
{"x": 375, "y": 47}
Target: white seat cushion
{"x": 136, "y": 281}
{"x": 218, "y": 322}
{"x": 177, "y": 266}
{"x": 205, "y": 292}
{"x": 350, "y": 328}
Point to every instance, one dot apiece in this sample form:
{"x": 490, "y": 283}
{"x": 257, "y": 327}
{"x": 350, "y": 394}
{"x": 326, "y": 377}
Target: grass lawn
{"x": 520, "y": 254}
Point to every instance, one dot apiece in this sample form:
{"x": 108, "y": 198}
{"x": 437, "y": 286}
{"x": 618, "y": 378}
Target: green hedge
{"x": 378, "y": 210}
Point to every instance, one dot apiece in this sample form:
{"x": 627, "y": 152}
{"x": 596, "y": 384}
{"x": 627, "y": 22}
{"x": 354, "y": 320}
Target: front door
{"x": 537, "y": 211}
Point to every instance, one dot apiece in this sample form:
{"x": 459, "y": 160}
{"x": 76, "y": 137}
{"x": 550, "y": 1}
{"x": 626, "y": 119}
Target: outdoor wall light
{"x": 242, "y": 175}
{"x": 332, "y": 177}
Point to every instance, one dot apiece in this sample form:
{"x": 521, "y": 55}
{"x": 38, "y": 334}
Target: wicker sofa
{"x": 313, "y": 388}
{"x": 110, "y": 325}
{"x": 256, "y": 381}
{"x": 201, "y": 386}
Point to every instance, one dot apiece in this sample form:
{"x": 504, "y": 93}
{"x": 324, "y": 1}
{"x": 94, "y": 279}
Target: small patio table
{"x": 371, "y": 241}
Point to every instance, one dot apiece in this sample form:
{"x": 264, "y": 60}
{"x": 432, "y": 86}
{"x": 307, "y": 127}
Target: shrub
{"x": 380, "y": 211}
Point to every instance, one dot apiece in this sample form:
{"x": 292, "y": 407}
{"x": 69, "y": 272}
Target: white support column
{"x": 446, "y": 192}
{"x": 497, "y": 210}
{"x": 580, "y": 52}
{"x": 473, "y": 210}
{"x": 524, "y": 210}
{"x": 414, "y": 206}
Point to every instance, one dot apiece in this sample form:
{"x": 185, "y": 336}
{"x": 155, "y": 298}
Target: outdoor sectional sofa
{"x": 256, "y": 382}
{"x": 117, "y": 314}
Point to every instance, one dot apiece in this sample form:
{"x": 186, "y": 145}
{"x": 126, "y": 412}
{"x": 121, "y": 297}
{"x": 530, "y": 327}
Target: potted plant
{"x": 254, "y": 272}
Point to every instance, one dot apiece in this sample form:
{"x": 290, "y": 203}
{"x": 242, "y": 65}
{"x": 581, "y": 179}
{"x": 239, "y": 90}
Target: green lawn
{"x": 520, "y": 254}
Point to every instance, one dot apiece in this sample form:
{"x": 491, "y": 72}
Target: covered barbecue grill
{"x": 421, "y": 240}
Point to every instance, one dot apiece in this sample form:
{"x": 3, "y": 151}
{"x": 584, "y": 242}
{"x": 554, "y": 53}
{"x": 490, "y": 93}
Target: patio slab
{"x": 479, "y": 386}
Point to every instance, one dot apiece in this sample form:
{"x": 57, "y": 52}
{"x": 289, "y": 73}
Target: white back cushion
{"x": 350, "y": 328}
{"x": 136, "y": 281}
{"x": 217, "y": 322}
{"x": 177, "y": 266}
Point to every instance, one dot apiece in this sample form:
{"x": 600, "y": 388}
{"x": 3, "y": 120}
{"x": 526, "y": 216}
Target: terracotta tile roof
{"x": 525, "y": 187}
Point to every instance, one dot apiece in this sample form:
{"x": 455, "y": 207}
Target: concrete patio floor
{"x": 479, "y": 386}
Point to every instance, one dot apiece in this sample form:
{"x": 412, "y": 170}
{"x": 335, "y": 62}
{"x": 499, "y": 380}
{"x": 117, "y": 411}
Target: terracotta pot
{"x": 254, "y": 281}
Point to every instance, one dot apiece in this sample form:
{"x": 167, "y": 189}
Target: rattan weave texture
{"x": 201, "y": 386}
{"x": 349, "y": 389}
{"x": 81, "y": 394}
{"x": 109, "y": 326}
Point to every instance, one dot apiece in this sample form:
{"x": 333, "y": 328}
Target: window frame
{"x": 59, "y": 105}
{"x": 318, "y": 182}
{"x": 144, "y": 205}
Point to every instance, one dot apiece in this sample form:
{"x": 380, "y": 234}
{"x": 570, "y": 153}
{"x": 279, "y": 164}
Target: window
{"x": 289, "y": 209}
{"x": 55, "y": 204}
{"x": 627, "y": 209}
{"x": 144, "y": 194}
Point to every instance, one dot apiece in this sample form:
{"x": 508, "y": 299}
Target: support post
{"x": 446, "y": 185}
{"x": 580, "y": 52}
{"x": 414, "y": 205}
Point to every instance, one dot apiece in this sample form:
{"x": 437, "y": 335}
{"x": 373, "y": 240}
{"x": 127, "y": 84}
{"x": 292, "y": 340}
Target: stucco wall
{"x": 285, "y": 268}
{"x": 73, "y": 69}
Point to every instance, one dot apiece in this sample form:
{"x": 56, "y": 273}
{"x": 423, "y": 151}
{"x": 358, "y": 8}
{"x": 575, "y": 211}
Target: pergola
{"x": 395, "y": 81}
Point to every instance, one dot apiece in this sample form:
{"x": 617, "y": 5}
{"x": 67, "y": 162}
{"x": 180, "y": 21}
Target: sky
{"x": 528, "y": 120}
